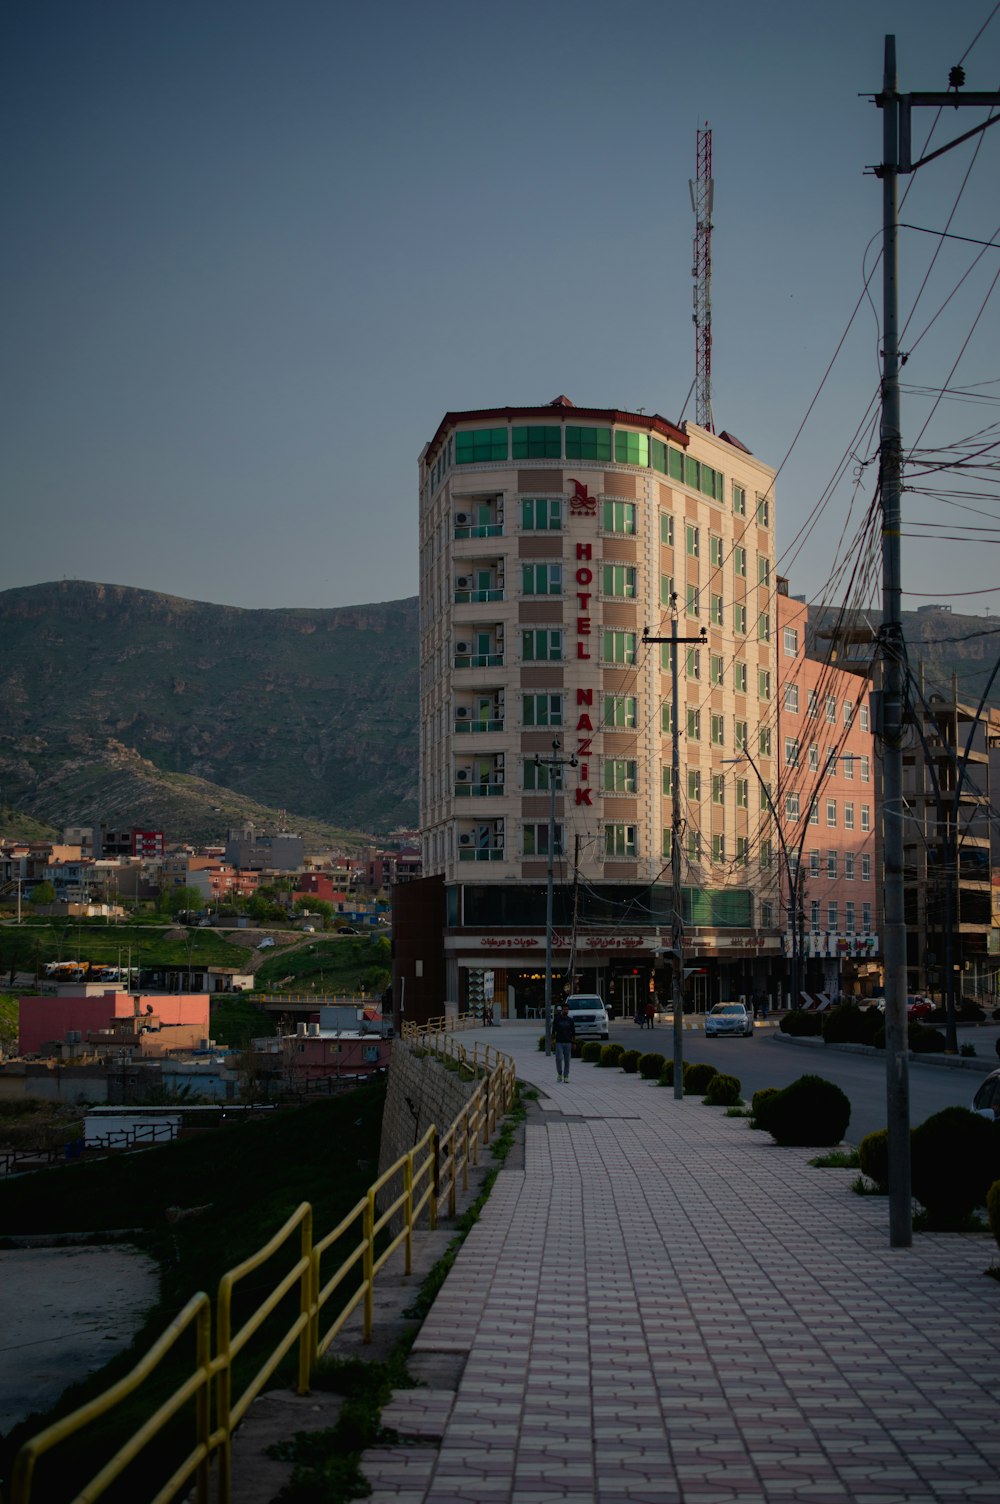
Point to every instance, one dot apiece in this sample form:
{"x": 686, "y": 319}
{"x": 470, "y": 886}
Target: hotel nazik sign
{"x": 582, "y": 504}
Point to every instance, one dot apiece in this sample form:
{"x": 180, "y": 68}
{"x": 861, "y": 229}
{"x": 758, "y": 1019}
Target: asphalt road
{"x": 766, "y": 1060}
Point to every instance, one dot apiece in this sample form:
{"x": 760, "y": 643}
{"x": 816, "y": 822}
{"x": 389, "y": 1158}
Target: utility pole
{"x": 896, "y": 159}
{"x": 552, "y": 763}
{"x": 677, "y": 923}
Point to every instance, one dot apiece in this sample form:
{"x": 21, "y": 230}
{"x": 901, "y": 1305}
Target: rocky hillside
{"x": 151, "y": 709}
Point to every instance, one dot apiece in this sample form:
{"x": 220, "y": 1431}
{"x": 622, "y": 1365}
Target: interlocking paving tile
{"x": 836, "y": 1374}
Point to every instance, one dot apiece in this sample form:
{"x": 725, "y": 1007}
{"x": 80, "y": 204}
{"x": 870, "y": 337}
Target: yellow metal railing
{"x": 428, "y": 1175}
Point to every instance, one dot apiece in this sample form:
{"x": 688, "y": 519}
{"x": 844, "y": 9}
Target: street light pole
{"x": 552, "y": 763}
{"x": 677, "y": 922}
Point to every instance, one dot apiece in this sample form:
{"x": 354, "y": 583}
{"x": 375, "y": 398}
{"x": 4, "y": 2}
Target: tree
{"x": 175, "y": 900}
{"x": 43, "y": 893}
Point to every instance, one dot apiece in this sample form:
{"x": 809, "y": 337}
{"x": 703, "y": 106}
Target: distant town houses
{"x": 103, "y": 871}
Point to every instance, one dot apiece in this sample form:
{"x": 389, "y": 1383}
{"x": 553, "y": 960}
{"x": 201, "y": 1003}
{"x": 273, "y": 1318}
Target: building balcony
{"x": 481, "y": 854}
{"x": 478, "y": 597}
{"x": 479, "y": 791}
{"x": 483, "y": 530}
{"x": 466, "y": 725}
{"x": 478, "y": 660}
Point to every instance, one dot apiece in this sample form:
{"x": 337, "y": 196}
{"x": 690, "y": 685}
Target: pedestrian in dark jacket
{"x": 564, "y": 1034}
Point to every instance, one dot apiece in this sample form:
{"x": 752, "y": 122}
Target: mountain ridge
{"x": 309, "y": 709}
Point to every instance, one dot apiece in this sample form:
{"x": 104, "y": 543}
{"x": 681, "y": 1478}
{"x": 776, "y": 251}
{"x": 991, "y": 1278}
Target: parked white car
{"x": 589, "y": 1014}
{"x": 729, "y": 1018}
{"x": 987, "y": 1099}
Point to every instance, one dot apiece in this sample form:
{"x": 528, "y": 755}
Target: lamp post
{"x": 552, "y": 763}
{"x": 677, "y": 925}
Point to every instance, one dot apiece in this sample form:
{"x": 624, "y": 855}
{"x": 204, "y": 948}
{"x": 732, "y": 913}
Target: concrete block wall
{"x": 420, "y": 1091}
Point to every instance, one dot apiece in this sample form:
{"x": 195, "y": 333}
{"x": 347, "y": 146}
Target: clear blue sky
{"x": 253, "y": 251}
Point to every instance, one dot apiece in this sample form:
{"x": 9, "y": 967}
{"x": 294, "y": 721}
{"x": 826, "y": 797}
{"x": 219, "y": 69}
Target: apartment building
{"x": 550, "y": 538}
{"x": 825, "y": 797}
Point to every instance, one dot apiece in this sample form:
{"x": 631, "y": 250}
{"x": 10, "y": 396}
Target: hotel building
{"x": 550, "y": 537}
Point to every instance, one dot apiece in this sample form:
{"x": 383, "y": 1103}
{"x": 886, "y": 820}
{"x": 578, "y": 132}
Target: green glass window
{"x": 619, "y": 775}
{"x": 668, "y": 844}
{"x": 619, "y": 581}
{"x": 541, "y": 514}
{"x": 666, "y": 719}
{"x": 694, "y": 784}
{"x": 658, "y": 455}
{"x": 692, "y": 607}
{"x": 631, "y": 448}
{"x": 537, "y": 443}
{"x": 718, "y": 730}
{"x": 718, "y": 789}
{"x": 618, "y": 517}
{"x": 478, "y": 445}
{"x": 619, "y": 840}
{"x": 718, "y": 848}
{"x": 692, "y": 663}
{"x": 666, "y": 589}
{"x": 740, "y": 736}
{"x": 716, "y": 668}
{"x": 541, "y": 645}
{"x": 666, "y": 529}
{"x": 620, "y": 712}
{"x": 693, "y": 539}
{"x": 619, "y": 647}
{"x": 739, "y": 501}
{"x": 537, "y": 776}
{"x": 542, "y": 710}
{"x": 715, "y": 550}
{"x": 667, "y": 773}
{"x": 541, "y": 579}
{"x": 691, "y": 472}
{"x": 742, "y": 792}
{"x": 588, "y": 443}
{"x": 675, "y": 464}
{"x": 716, "y": 611}
{"x": 694, "y": 724}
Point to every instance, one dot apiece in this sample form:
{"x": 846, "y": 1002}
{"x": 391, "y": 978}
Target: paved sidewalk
{"x": 664, "y": 1306}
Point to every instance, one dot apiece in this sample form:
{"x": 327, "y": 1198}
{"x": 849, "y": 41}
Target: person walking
{"x": 564, "y": 1034}
{"x": 650, "y": 1013}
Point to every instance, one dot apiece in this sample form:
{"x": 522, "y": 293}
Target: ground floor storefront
{"x": 507, "y": 973}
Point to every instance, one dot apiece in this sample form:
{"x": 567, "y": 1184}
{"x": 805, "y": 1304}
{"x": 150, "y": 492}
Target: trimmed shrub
{"x": 611, "y": 1055}
{"x": 993, "y": 1209}
{"x": 800, "y": 1023}
{"x": 667, "y": 1074}
{"x": 722, "y": 1091}
{"x": 591, "y": 1051}
{"x": 630, "y": 1061}
{"x": 953, "y": 1164}
{"x": 760, "y": 1104}
{"x": 873, "y": 1156}
{"x": 809, "y": 1111}
{"x": 924, "y": 1041}
{"x": 651, "y": 1065}
{"x": 696, "y": 1079}
{"x": 541, "y": 1041}
{"x": 850, "y": 1024}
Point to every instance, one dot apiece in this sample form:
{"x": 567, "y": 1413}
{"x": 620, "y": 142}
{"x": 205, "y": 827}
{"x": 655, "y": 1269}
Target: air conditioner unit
{"x": 463, "y": 775}
{"x": 464, "y": 582}
{"x": 467, "y": 839}
{"x": 462, "y": 713}
{"x": 463, "y": 649}
{"x": 463, "y": 519}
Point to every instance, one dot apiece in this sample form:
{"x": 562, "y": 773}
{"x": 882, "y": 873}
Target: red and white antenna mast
{"x": 702, "y": 193}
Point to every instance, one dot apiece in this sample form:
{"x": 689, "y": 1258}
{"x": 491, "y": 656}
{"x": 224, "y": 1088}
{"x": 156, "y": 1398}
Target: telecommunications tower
{"x": 702, "y": 191}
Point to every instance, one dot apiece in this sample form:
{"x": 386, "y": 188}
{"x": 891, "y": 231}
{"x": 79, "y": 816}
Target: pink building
{"x": 825, "y": 800}
{"x": 42, "y": 1019}
{"x": 315, "y": 1054}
